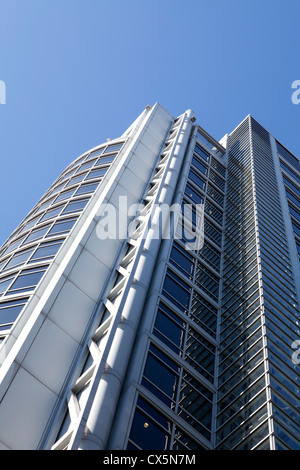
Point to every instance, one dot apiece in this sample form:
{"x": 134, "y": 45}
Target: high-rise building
{"x": 150, "y": 299}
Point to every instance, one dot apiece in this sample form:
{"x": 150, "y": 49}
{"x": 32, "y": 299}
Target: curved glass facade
{"x": 28, "y": 252}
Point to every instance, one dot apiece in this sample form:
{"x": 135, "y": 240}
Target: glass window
{"x": 169, "y": 328}
{"x": 193, "y": 176}
{"x": 61, "y": 227}
{"x": 97, "y": 173}
{"x": 13, "y": 246}
{"x": 9, "y": 311}
{"x": 292, "y": 197}
{"x": 105, "y": 160}
{"x": 76, "y": 179}
{"x": 215, "y": 195}
{"x": 36, "y": 234}
{"x": 296, "y": 228}
{"x": 294, "y": 212}
{"x": 19, "y": 259}
{"x": 4, "y": 284}
{"x": 193, "y": 194}
{"x": 182, "y": 260}
{"x": 290, "y": 171}
{"x": 85, "y": 165}
{"x": 291, "y": 185}
{"x": 65, "y": 195}
{"x": 204, "y": 314}
{"x": 27, "y": 280}
{"x": 52, "y": 213}
{"x": 87, "y": 188}
{"x": 176, "y": 290}
{"x": 75, "y": 206}
{"x": 46, "y": 251}
{"x": 218, "y": 166}
{"x": 202, "y": 152}
{"x": 215, "y": 213}
{"x": 200, "y": 166}
{"x": 113, "y": 148}
{"x": 163, "y": 380}
{"x": 149, "y": 428}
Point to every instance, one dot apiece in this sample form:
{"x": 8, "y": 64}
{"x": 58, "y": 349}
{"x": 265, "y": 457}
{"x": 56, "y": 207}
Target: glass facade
{"x": 179, "y": 371}
{"x": 29, "y": 251}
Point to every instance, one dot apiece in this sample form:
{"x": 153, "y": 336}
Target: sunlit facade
{"x": 114, "y": 338}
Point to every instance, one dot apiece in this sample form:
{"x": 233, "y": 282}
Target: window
{"x": 9, "y": 311}
{"x": 202, "y": 152}
{"x": 213, "y": 212}
{"x": 193, "y": 176}
{"x": 150, "y": 430}
{"x": 296, "y": 228}
{"x": 168, "y": 328}
{"x": 52, "y": 213}
{"x": 193, "y": 194}
{"x": 113, "y": 148}
{"x": 204, "y": 314}
{"x": 182, "y": 260}
{"x": 75, "y": 206}
{"x": 161, "y": 376}
{"x": 176, "y": 290}
{"x": 36, "y": 234}
{"x": 207, "y": 281}
{"x": 294, "y": 212}
{"x": 5, "y": 283}
{"x": 19, "y": 259}
{"x": 291, "y": 185}
{"x": 62, "y": 227}
{"x": 215, "y": 195}
{"x": 76, "y": 179}
{"x": 218, "y": 166}
{"x": 65, "y": 195}
{"x": 87, "y": 188}
{"x": 27, "y": 280}
{"x": 199, "y": 165}
{"x": 105, "y": 160}
{"x": 46, "y": 250}
{"x": 97, "y": 173}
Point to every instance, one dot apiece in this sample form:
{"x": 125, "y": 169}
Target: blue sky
{"x": 79, "y": 71}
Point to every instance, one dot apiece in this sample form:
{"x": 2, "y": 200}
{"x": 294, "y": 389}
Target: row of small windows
{"x": 99, "y": 154}
{"x": 288, "y": 156}
{"x": 91, "y": 172}
{"x": 290, "y": 171}
{"x": 24, "y": 281}
{"x": 76, "y": 205}
{"x": 97, "y": 173}
{"x": 42, "y": 252}
{"x": 60, "y": 227}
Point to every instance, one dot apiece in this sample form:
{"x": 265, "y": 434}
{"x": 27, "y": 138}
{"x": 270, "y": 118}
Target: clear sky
{"x": 79, "y": 71}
